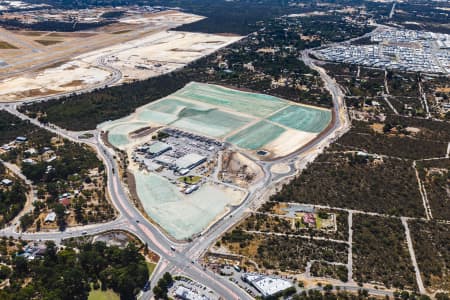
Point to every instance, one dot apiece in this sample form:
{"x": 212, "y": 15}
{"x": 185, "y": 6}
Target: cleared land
{"x": 250, "y": 121}
{"x": 183, "y": 215}
{"x": 64, "y": 78}
{"x": 144, "y": 50}
{"x": 158, "y": 53}
{"x": 238, "y": 117}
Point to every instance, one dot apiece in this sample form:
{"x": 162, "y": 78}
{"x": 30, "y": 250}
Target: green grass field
{"x": 190, "y": 179}
{"x": 151, "y": 267}
{"x": 103, "y": 295}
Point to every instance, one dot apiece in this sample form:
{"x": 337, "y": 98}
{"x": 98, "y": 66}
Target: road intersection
{"x": 183, "y": 260}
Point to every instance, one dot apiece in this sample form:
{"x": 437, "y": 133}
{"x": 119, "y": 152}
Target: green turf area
{"x": 190, "y": 179}
{"x": 258, "y": 105}
{"x": 257, "y": 135}
{"x": 6, "y": 45}
{"x": 303, "y": 118}
{"x": 98, "y": 294}
{"x": 103, "y": 295}
{"x": 151, "y": 267}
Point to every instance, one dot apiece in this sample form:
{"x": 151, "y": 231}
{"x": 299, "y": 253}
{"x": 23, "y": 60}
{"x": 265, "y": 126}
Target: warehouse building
{"x": 266, "y": 285}
{"x": 189, "y": 162}
{"x": 158, "y": 148}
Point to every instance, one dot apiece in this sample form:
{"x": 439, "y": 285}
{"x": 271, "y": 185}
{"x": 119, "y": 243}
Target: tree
{"x": 38, "y": 225}
{"x": 442, "y": 296}
{"x": 50, "y": 253}
{"x": 20, "y": 265}
{"x": 60, "y": 212}
{"x": 26, "y": 221}
{"x": 4, "y": 272}
{"x": 160, "y": 290}
{"x": 328, "y": 288}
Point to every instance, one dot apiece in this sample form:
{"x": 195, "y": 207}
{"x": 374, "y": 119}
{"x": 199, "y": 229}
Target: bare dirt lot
{"x": 158, "y": 53}
{"x": 47, "y": 63}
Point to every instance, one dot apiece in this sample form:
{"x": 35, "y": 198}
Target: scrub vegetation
{"x": 283, "y": 253}
{"x": 381, "y": 185}
{"x": 322, "y": 269}
{"x": 380, "y": 254}
{"x": 267, "y": 62}
{"x": 393, "y": 139}
{"x": 435, "y": 176}
{"x": 431, "y": 243}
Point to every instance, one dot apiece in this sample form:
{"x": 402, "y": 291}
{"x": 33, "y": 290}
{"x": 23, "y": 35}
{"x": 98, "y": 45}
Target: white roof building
{"x": 186, "y": 294}
{"x": 158, "y": 148}
{"x": 266, "y": 285}
{"x": 189, "y": 161}
{"x": 51, "y": 217}
{"x": 29, "y": 161}
{"x": 7, "y": 181}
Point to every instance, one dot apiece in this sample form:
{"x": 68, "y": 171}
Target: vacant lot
{"x": 282, "y": 252}
{"x": 395, "y": 140}
{"x": 380, "y": 253}
{"x": 431, "y": 244}
{"x": 386, "y": 186}
{"x": 146, "y": 49}
{"x": 435, "y": 175}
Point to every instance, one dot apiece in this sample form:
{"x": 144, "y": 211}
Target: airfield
{"x": 35, "y": 64}
{"x": 206, "y": 119}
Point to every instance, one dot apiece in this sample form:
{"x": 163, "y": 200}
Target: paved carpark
{"x": 182, "y": 143}
{"x": 235, "y": 277}
{"x": 194, "y": 287}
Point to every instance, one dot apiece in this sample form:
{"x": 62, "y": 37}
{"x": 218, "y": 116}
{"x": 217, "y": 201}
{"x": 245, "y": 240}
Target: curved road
{"x": 183, "y": 259}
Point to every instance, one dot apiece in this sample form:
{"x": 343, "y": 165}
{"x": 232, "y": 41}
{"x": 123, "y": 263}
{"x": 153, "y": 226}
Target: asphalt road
{"x": 183, "y": 259}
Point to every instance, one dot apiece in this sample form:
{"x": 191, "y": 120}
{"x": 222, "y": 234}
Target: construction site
{"x": 262, "y": 126}
{"x": 138, "y": 45}
{"x": 198, "y": 153}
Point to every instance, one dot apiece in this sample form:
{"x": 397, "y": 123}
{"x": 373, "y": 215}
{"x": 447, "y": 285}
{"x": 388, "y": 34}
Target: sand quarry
{"x": 50, "y": 63}
{"x": 249, "y": 121}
